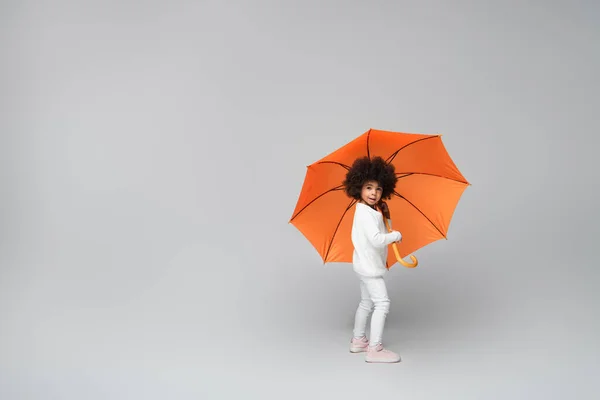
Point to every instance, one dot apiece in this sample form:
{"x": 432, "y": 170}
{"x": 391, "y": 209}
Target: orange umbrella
{"x": 426, "y": 195}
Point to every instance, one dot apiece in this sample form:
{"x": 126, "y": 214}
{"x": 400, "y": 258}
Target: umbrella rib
{"x": 336, "y": 163}
{"x": 316, "y": 198}
{"x": 368, "y": 149}
{"x": 422, "y": 213}
{"x": 405, "y": 174}
{"x": 391, "y": 158}
{"x": 352, "y": 202}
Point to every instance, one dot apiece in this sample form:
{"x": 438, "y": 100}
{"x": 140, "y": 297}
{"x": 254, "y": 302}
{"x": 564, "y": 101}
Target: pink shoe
{"x": 378, "y": 354}
{"x": 359, "y": 345}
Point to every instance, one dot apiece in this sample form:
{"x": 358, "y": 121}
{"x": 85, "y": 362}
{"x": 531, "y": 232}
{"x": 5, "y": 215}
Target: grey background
{"x": 153, "y": 152}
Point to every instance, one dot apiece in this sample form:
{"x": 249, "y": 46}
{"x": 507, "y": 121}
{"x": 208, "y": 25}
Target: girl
{"x": 369, "y": 181}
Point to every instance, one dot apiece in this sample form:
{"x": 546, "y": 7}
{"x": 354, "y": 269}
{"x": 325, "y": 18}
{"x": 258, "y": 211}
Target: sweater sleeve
{"x": 374, "y": 236}
{"x": 392, "y": 228}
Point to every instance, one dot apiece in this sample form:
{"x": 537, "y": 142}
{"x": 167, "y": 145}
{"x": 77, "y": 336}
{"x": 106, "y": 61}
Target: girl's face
{"x": 371, "y": 193}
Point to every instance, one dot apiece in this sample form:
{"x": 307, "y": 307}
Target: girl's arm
{"x": 392, "y": 229}
{"x": 375, "y": 237}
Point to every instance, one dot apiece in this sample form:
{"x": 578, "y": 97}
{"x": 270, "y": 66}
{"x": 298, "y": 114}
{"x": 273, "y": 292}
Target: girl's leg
{"x": 375, "y": 351}
{"x": 365, "y": 307}
{"x": 378, "y": 293}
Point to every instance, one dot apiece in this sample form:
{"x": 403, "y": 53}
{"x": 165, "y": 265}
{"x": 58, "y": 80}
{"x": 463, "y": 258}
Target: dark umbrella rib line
{"x": 336, "y": 163}
{"x": 352, "y": 202}
{"x": 421, "y": 212}
{"x": 368, "y": 147}
{"x": 405, "y": 174}
{"x": 335, "y": 189}
{"x": 394, "y": 154}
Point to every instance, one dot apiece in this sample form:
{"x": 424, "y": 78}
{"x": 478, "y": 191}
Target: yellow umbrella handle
{"x": 415, "y": 262}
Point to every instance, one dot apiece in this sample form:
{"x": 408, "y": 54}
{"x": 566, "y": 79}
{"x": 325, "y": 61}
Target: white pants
{"x": 374, "y": 299}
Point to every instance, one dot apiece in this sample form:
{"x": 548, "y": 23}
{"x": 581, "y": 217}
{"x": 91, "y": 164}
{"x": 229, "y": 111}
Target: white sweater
{"x": 371, "y": 240}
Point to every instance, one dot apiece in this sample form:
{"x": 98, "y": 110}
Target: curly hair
{"x": 365, "y": 169}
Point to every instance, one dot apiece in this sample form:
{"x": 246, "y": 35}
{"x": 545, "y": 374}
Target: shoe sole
{"x": 355, "y": 350}
{"x": 381, "y": 362}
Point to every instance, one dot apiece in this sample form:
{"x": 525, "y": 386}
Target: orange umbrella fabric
{"x": 428, "y": 190}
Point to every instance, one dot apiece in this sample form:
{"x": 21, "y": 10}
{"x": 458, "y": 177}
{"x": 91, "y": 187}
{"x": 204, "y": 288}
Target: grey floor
{"x": 152, "y": 156}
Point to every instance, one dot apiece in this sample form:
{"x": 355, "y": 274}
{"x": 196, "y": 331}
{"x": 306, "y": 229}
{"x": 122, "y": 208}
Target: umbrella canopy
{"x": 428, "y": 190}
